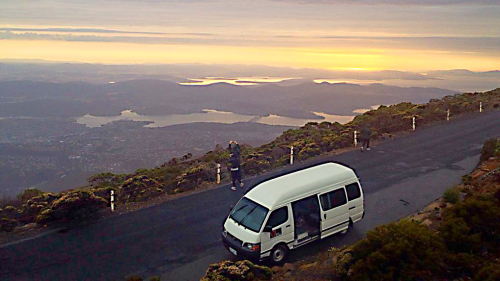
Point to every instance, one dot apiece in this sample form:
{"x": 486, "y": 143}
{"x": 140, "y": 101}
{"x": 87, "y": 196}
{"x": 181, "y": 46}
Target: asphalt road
{"x": 179, "y": 239}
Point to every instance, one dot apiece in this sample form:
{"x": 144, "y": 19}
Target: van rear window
{"x": 333, "y": 199}
{"x": 353, "y": 191}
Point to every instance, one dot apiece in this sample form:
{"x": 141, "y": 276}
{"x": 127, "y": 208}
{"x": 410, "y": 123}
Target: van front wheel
{"x": 279, "y": 253}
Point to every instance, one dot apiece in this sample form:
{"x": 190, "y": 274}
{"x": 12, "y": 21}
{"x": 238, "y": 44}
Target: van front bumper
{"x": 231, "y": 243}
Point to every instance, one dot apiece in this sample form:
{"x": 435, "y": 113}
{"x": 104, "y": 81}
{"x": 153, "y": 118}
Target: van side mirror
{"x": 231, "y": 207}
{"x": 267, "y": 228}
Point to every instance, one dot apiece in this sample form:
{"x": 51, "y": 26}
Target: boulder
{"x": 288, "y": 267}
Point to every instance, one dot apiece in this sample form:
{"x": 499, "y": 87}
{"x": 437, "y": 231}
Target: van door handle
{"x": 352, "y": 208}
{"x": 287, "y": 226}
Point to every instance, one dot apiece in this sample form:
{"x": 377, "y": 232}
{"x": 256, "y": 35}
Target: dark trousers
{"x": 236, "y": 175}
{"x": 366, "y": 143}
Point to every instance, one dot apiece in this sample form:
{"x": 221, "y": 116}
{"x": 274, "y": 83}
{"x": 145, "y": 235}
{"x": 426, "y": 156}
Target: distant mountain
{"x": 159, "y": 97}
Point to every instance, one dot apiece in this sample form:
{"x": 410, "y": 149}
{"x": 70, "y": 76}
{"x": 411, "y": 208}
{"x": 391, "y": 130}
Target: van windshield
{"x": 249, "y": 214}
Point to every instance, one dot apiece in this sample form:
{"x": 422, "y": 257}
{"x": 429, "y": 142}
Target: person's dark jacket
{"x": 365, "y": 133}
{"x": 234, "y": 161}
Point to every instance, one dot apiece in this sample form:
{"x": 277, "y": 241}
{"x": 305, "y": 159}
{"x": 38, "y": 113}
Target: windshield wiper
{"x": 248, "y": 214}
{"x": 239, "y": 209}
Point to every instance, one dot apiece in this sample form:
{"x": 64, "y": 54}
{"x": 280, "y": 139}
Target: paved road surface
{"x": 179, "y": 239}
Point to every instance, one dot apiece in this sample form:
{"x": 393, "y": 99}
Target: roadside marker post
{"x": 448, "y": 115}
{"x": 112, "y": 200}
{"x": 291, "y": 155}
{"x": 413, "y": 123}
{"x": 355, "y": 138}
{"x": 480, "y": 106}
{"x": 218, "y": 173}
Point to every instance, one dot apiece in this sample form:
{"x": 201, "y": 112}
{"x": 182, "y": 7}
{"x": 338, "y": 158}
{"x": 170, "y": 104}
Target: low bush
{"x": 73, "y": 205}
{"x": 240, "y": 270}
{"x": 488, "y": 150}
{"x": 7, "y": 224}
{"x": 451, "y": 196}
{"x": 472, "y": 224}
{"x": 28, "y": 194}
{"x": 490, "y": 272}
{"x": 403, "y": 250}
{"x": 139, "y": 188}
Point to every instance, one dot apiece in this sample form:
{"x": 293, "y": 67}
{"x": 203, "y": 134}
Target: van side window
{"x": 278, "y": 217}
{"x": 333, "y": 199}
{"x": 353, "y": 191}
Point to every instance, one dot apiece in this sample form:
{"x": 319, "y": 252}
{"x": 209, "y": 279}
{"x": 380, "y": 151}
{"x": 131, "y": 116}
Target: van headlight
{"x": 252, "y": 247}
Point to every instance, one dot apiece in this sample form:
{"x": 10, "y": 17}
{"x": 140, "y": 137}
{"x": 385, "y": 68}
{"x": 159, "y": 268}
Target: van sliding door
{"x": 334, "y": 212}
{"x": 306, "y": 217}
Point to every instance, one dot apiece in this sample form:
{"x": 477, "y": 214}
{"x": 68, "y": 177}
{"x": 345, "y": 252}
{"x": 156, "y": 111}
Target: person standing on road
{"x": 365, "y": 138}
{"x": 235, "y": 163}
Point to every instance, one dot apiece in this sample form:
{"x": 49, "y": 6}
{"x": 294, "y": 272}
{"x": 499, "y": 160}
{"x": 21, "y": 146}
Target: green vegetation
{"x": 28, "y": 194}
{"x": 186, "y": 173}
{"x": 464, "y": 245}
{"x": 396, "y": 251}
{"x": 451, "y": 196}
{"x": 491, "y": 148}
{"x": 240, "y": 270}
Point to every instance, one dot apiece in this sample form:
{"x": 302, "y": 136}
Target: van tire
{"x": 279, "y": 253}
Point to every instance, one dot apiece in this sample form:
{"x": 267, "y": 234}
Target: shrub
{"x": 240, "y": 270}
{"x": 139, "y": 188}
{"x": 395, "y": 251}
{"x": 7, "y": 224}
{"x": 451, "y": 196}
{"x": 28, "y": 194}
{"x": 10, "y": 209}
{"x": 73, "y": 205}
{"x": 106, "y": 179}
{"x": 490, "y": 272}
{"x": 456, "y": 234}
{"x": 488, "y": 150}
{"x": 469, "y": 223}
{"x": 156, "y": 278}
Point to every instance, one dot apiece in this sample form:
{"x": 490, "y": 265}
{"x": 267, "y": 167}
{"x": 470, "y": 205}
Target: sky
{"x": 412, "y": 35}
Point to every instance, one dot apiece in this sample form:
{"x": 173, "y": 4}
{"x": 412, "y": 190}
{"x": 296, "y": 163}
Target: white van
{"x": 292, "y": 210}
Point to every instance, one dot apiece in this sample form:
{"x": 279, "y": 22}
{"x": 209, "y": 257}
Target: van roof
{"x": 274, "y": 192}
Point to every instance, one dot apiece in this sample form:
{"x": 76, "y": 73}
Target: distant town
{"x": 53, "y": 154}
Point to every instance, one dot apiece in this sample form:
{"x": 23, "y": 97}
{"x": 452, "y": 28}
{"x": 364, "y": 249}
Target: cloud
{"x": 361, "y": 44}
{"x": 94, "y": 30}
{"x": 397, "y": 2}
{"x": 183, "y": 38}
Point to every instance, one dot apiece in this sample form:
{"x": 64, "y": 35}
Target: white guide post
{"x": 218, "y": 173}
{"x": 480, "y": 106}
{"x": 291, "y": 155}
{"x": 112, "y": 200}
{"x": 448, "y": 115}
{"x": 355, "y": 138}
{"x": 413, "y": 123}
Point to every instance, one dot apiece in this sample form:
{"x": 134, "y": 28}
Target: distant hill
{"x": 159, "y": 97}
